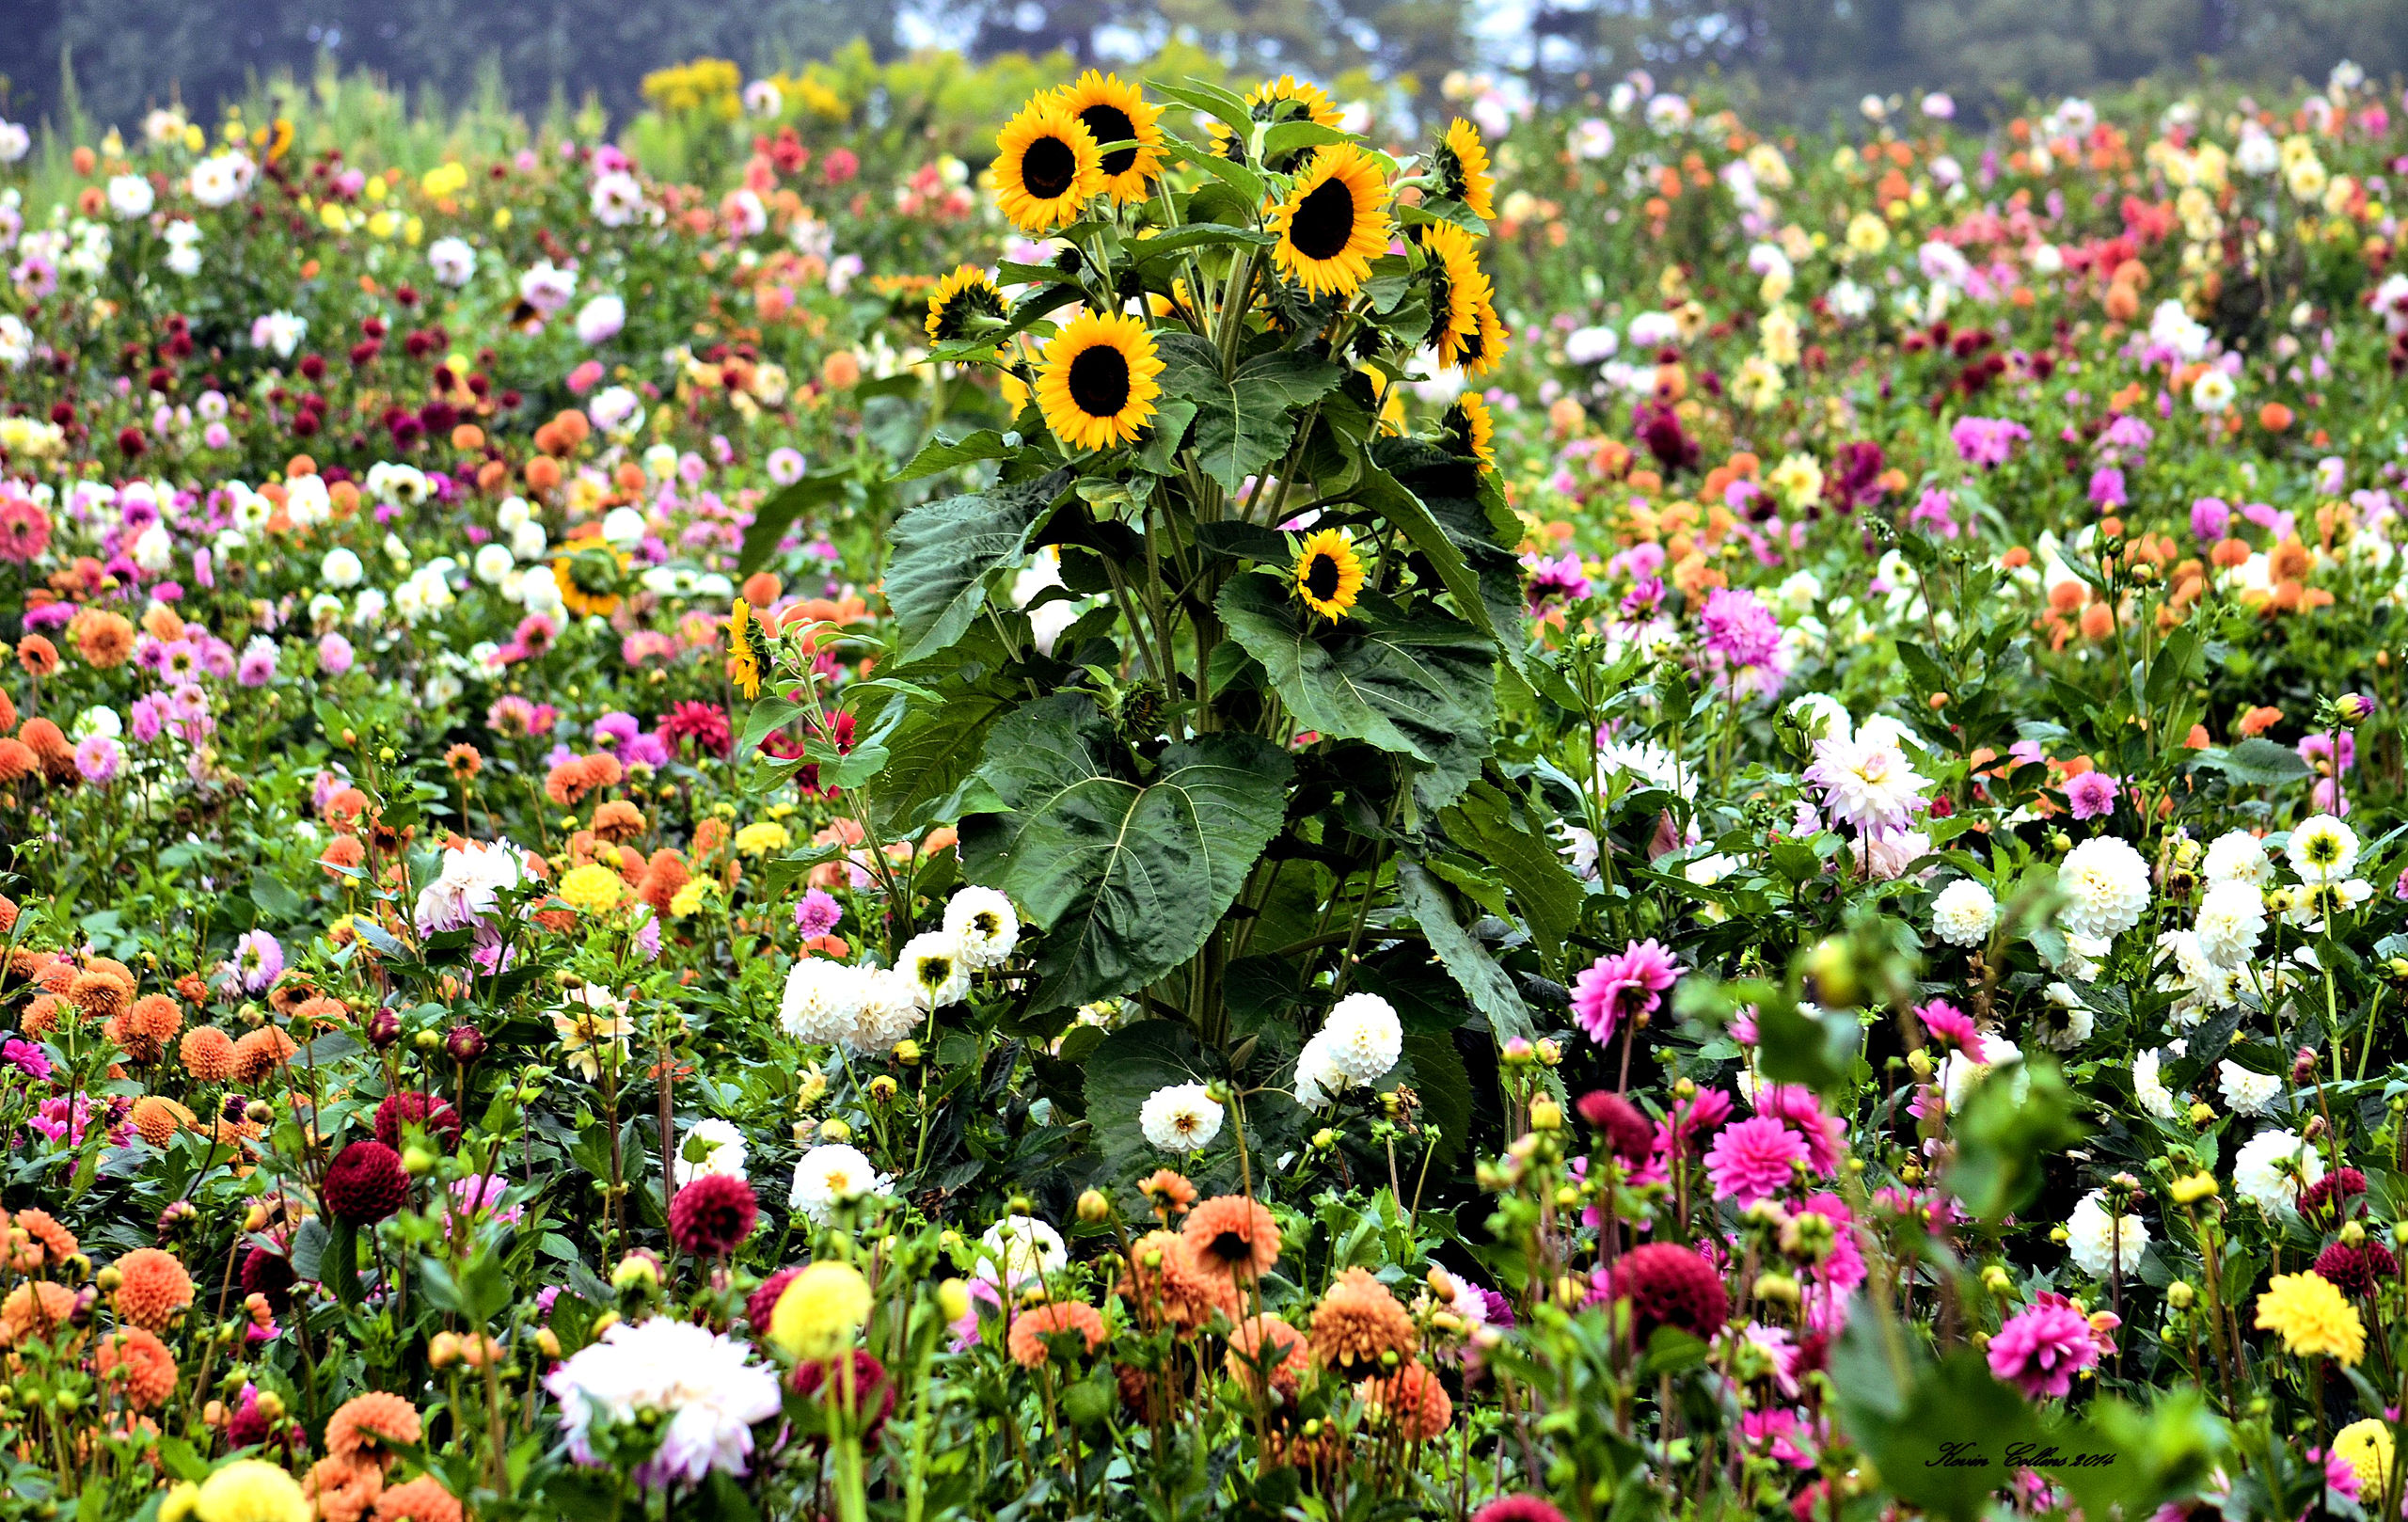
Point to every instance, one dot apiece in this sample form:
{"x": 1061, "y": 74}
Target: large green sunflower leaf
{"x": 936, "y": 582}
{"x": 1242, "y": 423}
{"x": 1126, "y": 873}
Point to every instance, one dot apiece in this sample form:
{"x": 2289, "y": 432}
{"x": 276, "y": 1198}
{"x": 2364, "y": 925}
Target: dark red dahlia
{"x": 400, "y": 1110}
{"x": 712, "y": 1214}
{"x": 1517, "y": 1509}
{"x": 268, "y": 1273}
{"x": 2329, "y": 1192}
{"x": 365, "y": 1184}
{"x": 2356, "y": 1269}
{"x": 873, "y": 1393}
{"x": 761, "y": 1302}
{"x": 1670, "y": 1286}
{"x": 1619, "y": 1127}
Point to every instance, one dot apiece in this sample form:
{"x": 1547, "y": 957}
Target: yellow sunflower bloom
{"x": 1329, "y": 574}
{"x": 1046, "y": 166}
{"x": 1114, "y": 111}
{"x": 1470, "y": 430}
{"x": 1334, "y": 223}
{"x": 1096, "y": 386}
{"x": 1459, "y": 289}
{"x": 743, "y": 667}
{"x": 960, "y": 300}
{"x": 1461, "y": 166}
{"x": 1484, "y": 348}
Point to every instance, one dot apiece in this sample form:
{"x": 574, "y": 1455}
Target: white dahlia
{"x": 1964, "y": 914}
{"x": 2106, "y": 886}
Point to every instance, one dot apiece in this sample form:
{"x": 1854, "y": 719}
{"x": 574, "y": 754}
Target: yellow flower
{"x": 687, "y": 899}
{"x": 1459, "y": 293}
{"x": 1797, "y": 480}
{"x": 1470, "y": 430}
{"x": 1867, "y": 233}
{"x": 961, "y": 298}
{"x": 1329, "y": 574}
{"x": 1334, "y": 223}
{"x": 1097, "y": 385}
{"x": 1461, "y": 166}
{"x": 2366, "y": 1446}
{"x": 743, "y": 667}
{"x": 182, "y": 1499}
{"x": 251, "y": 1490}
{"x": 819, "y": 1311}
{"x": 758, "y": 839}
{"x": 2313, "y": 1317}
{"x": 1047, "y": 166}
{"x": 592, "y": 888}
{"x": 1112, "y": 111}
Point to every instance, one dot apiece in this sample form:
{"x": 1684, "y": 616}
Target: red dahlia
{"x": 761, "y": 1302}
{"x": 1670, "y": 1286}
{"x": 873, "y": 1393}
{"x": 365, "y": 1184}
{"x": 408, "y": 1108}
{"x": 712, "y": 1214}
{"x": 1619, "y": 1127}
{"x": 1517, "y": 1509}
{"x": 2355, "y": 1270}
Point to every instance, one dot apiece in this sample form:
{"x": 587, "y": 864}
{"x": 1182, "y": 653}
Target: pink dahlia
{"x": 2039, "y": 1351}
{"x": 1623, "y": 986}
{"x": 1824, "y": 1136}
{"x": 1951, "y": 1027}
{"x": 1754, "y": 1160}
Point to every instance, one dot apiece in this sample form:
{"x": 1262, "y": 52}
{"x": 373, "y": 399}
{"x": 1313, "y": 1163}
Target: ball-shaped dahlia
{"x": 153, "y": 1289}
{"x": 763, "y": 1302}
{"x": 820, "y": 1382}
{"x": 1671, "y": 1286}
{"x": 404, "y": 1108}
{"x": 1517, "y": 1509}
{"x": 268, "y": 1273}
{"x": 1620, "y": 1128}
{"x": 2356, "y": 1268}
{"x": 365, "y": 1184}
{"x": 711, "y": 1215}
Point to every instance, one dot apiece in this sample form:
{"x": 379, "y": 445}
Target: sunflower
{"x": 1096, "y": 386}
{"x": 1458, "y": 289}
{"x": 1046, "y": 166}
{"x": 1115, "y": 112}
{"x": 1483, "y": 348}
{"x": 1285, "y": 98}
{"x": 1470, "y": 430}
{"x": 962, "y": 299}
{"x": 1329, "y": 574}
{"x": 1461, "y": 166}
{"x": 590, "y": 579}
{"x": 1334, "y": 223}
{"x": 743, "y": 666}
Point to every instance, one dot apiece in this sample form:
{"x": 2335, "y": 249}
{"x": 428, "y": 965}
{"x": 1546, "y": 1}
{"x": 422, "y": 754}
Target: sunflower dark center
{"x": 1100, "y": 381}
{"x": 1048, "y": 169}
{"x": 1324, "y": 220}
{"x": 1111, "y": 124}
{"x": 1321, "y": 576}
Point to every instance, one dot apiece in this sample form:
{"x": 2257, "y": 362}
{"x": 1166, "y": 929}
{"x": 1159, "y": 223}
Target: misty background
{"x": 1794, "y": 60}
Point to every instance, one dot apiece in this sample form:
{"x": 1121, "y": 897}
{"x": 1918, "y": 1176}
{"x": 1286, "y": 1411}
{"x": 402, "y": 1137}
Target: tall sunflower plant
{"x": 1206, "y": 673}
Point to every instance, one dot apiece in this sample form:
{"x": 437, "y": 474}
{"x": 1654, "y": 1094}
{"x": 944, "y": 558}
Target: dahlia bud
{"x": 271, "y": 1406}
{"x": 908, "y": 1052}
{"x": 1779, "y": 1288}
{"x": 2353, "y": 1232}
{"x": 1518, "y": 1052}
{"x": 1995, "y": 1280}
{"x": 426, "y": 1041}
{"x": 884, "y": 1089}
{"x": 1546, "y": 1115}
{"x": 639, "y": 1271}
{"x": 2197, "y": 1187}
{"x": 2303, "y": 1066}
{"x": 178, "y": 1219}
{"x": 1094, "y": 1208}
{"x": 466, "y": 1043}
{"x": 2180, "y": 1296}
{"x": 258, "y": 1112}
{"x": 953, "y": 1299}
{"x": 443, "y": 1349}
{"x": 384, "y": 1029}
{"x": 1324, "y": 1139}
{"x": 418, "y": 1162}
{"x": 109, "y": 1278}
{"x": 1550, "y": 1051}
{"x": 2353, "y": 707}
{"x": 548, "y": 1343}
{"x": 2202, "y": 1114}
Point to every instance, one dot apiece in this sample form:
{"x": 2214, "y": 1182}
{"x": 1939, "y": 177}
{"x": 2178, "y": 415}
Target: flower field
{"x": 942, "y": 793}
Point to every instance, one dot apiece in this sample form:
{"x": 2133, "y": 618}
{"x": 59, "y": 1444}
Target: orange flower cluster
{"x": 348, "y": 1484}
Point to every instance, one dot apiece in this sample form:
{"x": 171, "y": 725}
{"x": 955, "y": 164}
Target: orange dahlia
{"x": 1411, "y": 1399}
{"x": 1165, "y": 1281}
{"x": 423, "y": 1499}
{"x": 48, "y": 1243}
{"x": 138, "y": 1365}
{"x": 35, "y": 1306}
{"x": 344, "y": 1488}
{"x": 362, "y": 1425}
{"x": 1233, "y": 1235}
{"x": 157, "y": 1118}
{"x": 1267, "y": 1339}
{"x": 1357, "y": 1321}
{"x": 209, "y": 1054}
{"x": 1032, "y": 1327}
{"x": 154, "y": 1287}
{"x": 260, "y": 1053}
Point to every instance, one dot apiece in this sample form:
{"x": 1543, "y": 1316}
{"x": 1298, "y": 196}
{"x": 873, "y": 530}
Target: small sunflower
{"x": 1096, "y": 386}
{"x": 1483, "y": 348}
{"x": 1046, "y": 166}
{"x": 590, "y": 579}
{"x": 1115, "y": 112}
{"x": 1285, "y": 98}
{"x": 1471, "y": 431}
{"x": 1334, "y": 223}
{"x": 1459, "y": 289}
{"x": 960, "y": 301}
{"x": 1329, "y": 574}
{"x": 743, "y": 666}
{"x": 1461, "y": 163}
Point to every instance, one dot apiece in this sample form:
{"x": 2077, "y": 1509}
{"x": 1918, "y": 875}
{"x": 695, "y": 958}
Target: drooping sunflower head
{"x": 1458, "y": 289}
{"x": 961, "y": 301}
{"x": 1390, "y": 400}
{"x": 1470, "y": 430}
{"x": 1046, "y": 166}
{"x": 591, "y": 578}
{"x": 1460, "y": 165}
{"x": 1285, "y": 98}
{"x": 1329, "y": 574}
{"x": 1334, "y": 223}
{"x": 1114, "y": 111}
{"x": 1097, "y": 385}
{"x": 1483, "y": 349}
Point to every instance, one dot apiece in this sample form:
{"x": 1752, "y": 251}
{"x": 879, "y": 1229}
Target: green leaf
{"x": 342, "y": 1254}
{"x": 1799, "y": 1048}
{"x": 936, "y": 580}
{"x": 1247, "y": 183}
{"x": 1198, "y": 235}
{"x": 1946, "y": 1449}
{"x": 1208, "y": 98}
{"x": 1122, "y": 1071}
{"x": 1287, "y": 136}
{"x": 2258, "y": 761}
{"x": 1466, "y": 960}
{"x": 1421, "y": 684}
{"x": 771, "y": 521}
{"x": 2017, "y": 1116}
{"x": 1435, "y": 500}
{"x": 945, "y": 453}
{"x": 1126, "y": 873}
{"x": 275, "y": 898}
{"x": 1241, "y": 423}
{"x": 1515, "y": 844}
{"x": 932, "y": 751}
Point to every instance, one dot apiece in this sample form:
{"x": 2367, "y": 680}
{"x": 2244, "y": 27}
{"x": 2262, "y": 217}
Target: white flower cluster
{"x": 2271, "y": 1168}
{"x": 1358, "y": 1043}
{"x": 833, "y": 1174}
{"x": 703, "y": 1388}
{"x": 1181, "y": 1118}
{"x": 2106, "y": 887}
{"x": 1964, "y": 914}
{"x": 867, "y": 1008}
{"x": 2101, "y": 1244}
